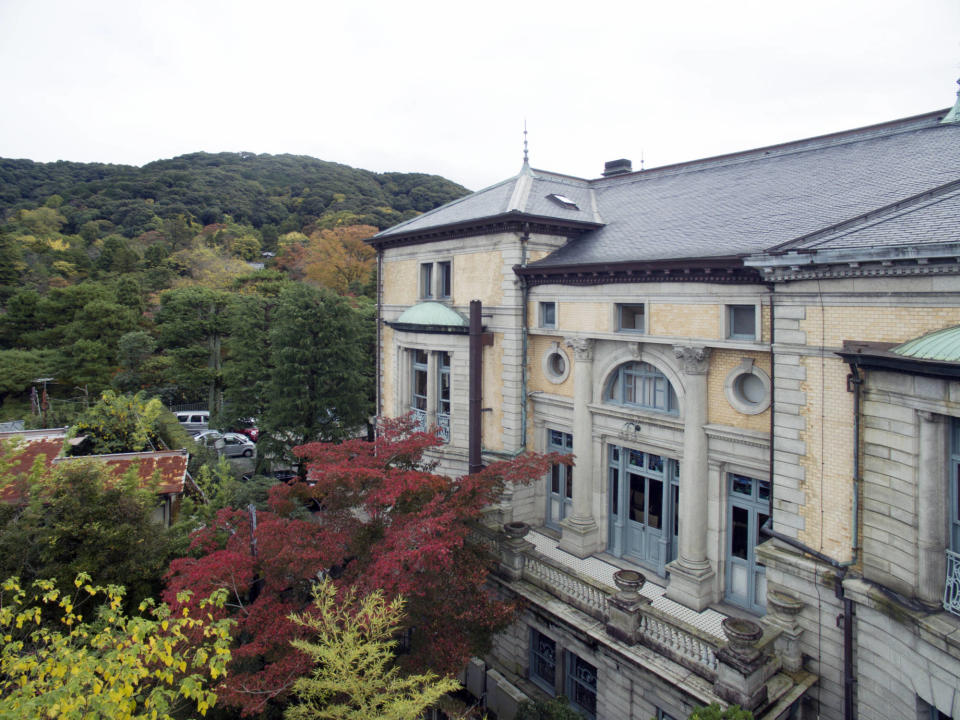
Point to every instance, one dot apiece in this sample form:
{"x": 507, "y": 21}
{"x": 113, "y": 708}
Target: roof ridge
{"x": 880, "y": 214}
{"x": 929, "y": 120}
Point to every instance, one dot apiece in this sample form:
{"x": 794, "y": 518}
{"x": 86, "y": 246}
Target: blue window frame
{"x": 443, "y": 395}
{"x": 560, "y": 482}
{"x": 640, "y": 384}
{"x": 543, "y": 661}
{"x": 582, "y": 685}
{"x": 418, "y": 388}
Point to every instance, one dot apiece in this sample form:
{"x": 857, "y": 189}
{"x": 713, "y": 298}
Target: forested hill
{"x": 275, "y": 194}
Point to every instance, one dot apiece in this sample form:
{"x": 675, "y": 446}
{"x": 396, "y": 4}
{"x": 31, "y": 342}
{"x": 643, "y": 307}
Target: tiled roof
{"x": 171, "y": 464}
{"x": 733, "y": 205}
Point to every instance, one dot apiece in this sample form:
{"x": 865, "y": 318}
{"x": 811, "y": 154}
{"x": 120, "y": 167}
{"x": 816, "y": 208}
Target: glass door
{"x": 749, "y": 505}
{"x": 560, "y": 482}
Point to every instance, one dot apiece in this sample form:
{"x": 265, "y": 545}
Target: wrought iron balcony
{"x": 951, "y": 590}
{"x": 443, "y": 425}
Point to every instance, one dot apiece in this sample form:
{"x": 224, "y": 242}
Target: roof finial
{"x": 526, "y": 155}
{"x": 954, "y": 115}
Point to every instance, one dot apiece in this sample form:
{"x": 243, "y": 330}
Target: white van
{"x": 194, "y": 421}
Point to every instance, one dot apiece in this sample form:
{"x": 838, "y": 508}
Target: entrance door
{"x": 643, "y": 493}
{"x": 560, "y": 482}
{"x": 748, "y": 511}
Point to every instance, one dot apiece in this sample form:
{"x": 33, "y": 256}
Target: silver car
{"x": 229, "y": 444}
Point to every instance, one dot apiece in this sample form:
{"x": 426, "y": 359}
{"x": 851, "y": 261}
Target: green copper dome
{"x": 433, "y": 314}
{"x": 942, "y": 345}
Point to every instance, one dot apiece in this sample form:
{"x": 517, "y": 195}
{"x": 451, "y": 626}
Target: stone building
{"x": 754, "y": 360}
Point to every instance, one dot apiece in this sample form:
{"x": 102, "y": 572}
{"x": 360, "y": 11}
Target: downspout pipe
{"x": 476, "y": 386}
{"x": 379, "y": 401}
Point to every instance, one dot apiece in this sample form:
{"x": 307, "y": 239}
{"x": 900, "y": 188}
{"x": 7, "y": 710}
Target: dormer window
{"x": 563, "y": 201}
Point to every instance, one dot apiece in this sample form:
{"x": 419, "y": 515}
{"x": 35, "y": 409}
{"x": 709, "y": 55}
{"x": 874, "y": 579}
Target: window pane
{"x": 548, "y": 314}
{"x": 655, "y": 511}
{"x": 555, "y": 479}
{"x": 543, "y": 660}
{"x": 638, "y": 487}
{"x": 426, "y": 280}
{"x": 445, "y": 279}
{"x": 615, "y": 491}
{"x": 739, "y": 531}
{"x": 630, "y": 317}
{"x": 742, "y": 323}
{"x": 582, "y": 685}
{"x": 569, "y": 473}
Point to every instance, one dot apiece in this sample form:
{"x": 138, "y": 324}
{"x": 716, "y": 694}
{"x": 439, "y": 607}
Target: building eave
{"x": 723, "y": 270}
{"x": 878, "y": 356}
{"x": 513, "y": 221}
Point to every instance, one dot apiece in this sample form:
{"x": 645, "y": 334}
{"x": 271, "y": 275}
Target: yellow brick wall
{"x": 720, "y": 412}
{"x": 584, "y": 317}
{"x": 828, "y": 463}
{"x": 764, "y": 324}
{"x": 388, "y": 386}
{"x": 537, "y": 348}
{"x": 492, "y": 436}
{"x": 672, "y": 320}
{"x": 878, "y": 324}
{"x": 478, "y": 276}
{"x": 400, "y": 282}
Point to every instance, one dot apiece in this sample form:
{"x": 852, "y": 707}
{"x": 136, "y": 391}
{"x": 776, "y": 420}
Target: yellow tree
{"x": 355, "y": 677}
{"x": 117, "y": 666}
{"x": 339, "y": 259}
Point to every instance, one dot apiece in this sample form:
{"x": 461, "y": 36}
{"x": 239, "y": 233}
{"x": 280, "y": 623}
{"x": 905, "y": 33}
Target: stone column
{"x": 931, "y": 496}
{"x": 580, "y": 533}
{"x": 433, "y": 373}
{"x": 691, "y": 577}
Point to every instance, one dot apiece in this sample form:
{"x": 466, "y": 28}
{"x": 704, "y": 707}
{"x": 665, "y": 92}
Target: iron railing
{"x": 951, "y": 590}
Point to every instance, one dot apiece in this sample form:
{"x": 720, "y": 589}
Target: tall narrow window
{"x": 951, "y": 588}
{"x": 543, "y": 661}
{"x": 560, "y": 483}
{"x": 548, "y": 314}
{"x": 444, "y": 279}
{"x": 443, "y": 395}
{"x": 426, "y": 280}
{"x": 582, "y": 685}
{"x": 418, "y": 394}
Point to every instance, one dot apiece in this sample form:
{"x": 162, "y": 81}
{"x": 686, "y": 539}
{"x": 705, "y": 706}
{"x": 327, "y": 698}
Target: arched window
{"x": 640, "y": 384}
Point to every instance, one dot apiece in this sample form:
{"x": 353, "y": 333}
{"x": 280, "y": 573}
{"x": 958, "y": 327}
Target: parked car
{"x": 237, "y": 445}
{"x": 194, "y": 421}
{"x": 212, "y": 439}
{"x": 248, "y": 427}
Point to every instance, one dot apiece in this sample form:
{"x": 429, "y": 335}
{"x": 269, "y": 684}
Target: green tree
{"x": 118, "y": 667}
{"x": 78, "y": 518}
{"x": 319, "y": 367}
{"x": 126, "y": 423}
{"x": 193, "y": 323}
{"x": 352, "y": 648}
{"x": 713, "y": 711}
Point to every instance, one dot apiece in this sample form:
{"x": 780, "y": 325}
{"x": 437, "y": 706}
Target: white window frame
{"x": 541, "y": 312}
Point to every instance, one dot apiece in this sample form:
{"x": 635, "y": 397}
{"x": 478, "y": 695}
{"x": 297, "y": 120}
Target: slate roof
{"x": 526, "y": 193}
{"x": 735, "y": 205}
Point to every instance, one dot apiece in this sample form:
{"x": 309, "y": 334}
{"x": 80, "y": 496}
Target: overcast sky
{"x": 445, "y": 87}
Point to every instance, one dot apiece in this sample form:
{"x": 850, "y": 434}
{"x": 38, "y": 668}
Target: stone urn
{"x": 629, "y": 582}
{"x": 784, "y": 606}
{"x": 516, "y": 530}
{"x": 743, "y": 636}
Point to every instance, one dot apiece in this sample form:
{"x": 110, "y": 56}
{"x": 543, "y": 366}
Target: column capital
{"x": 695, "y": 359}
{"x": 582, "y": 348}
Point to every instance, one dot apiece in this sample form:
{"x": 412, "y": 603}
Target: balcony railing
{"x": 419, "y": 419}
{"x": 659, "y": 630}
{"x": 951, "y": 590}
{"x": 443, "y": 425}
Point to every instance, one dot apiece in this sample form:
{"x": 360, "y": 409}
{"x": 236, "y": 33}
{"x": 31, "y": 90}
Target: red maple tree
{"x": 382, "y": 519}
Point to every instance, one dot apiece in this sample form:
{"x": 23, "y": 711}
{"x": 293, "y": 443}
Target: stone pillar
{"x": 782, "y": 613}
{"x": 623, "y": 608}
{"x": 433, "y": 373}
{"x": 931, "y": 524}
{"x": 742, "y": 670}
{"x": 580, "y": 533}
{"x": 691, "y": 577}
{"x": 513, "y": 549}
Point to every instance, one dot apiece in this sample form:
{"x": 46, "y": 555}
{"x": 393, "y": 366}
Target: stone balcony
{"x": 689, "y": 648}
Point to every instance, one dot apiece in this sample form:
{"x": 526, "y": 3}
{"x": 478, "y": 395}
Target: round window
{"x": 748, "y": 388}
{"x": 556, "y": 365}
